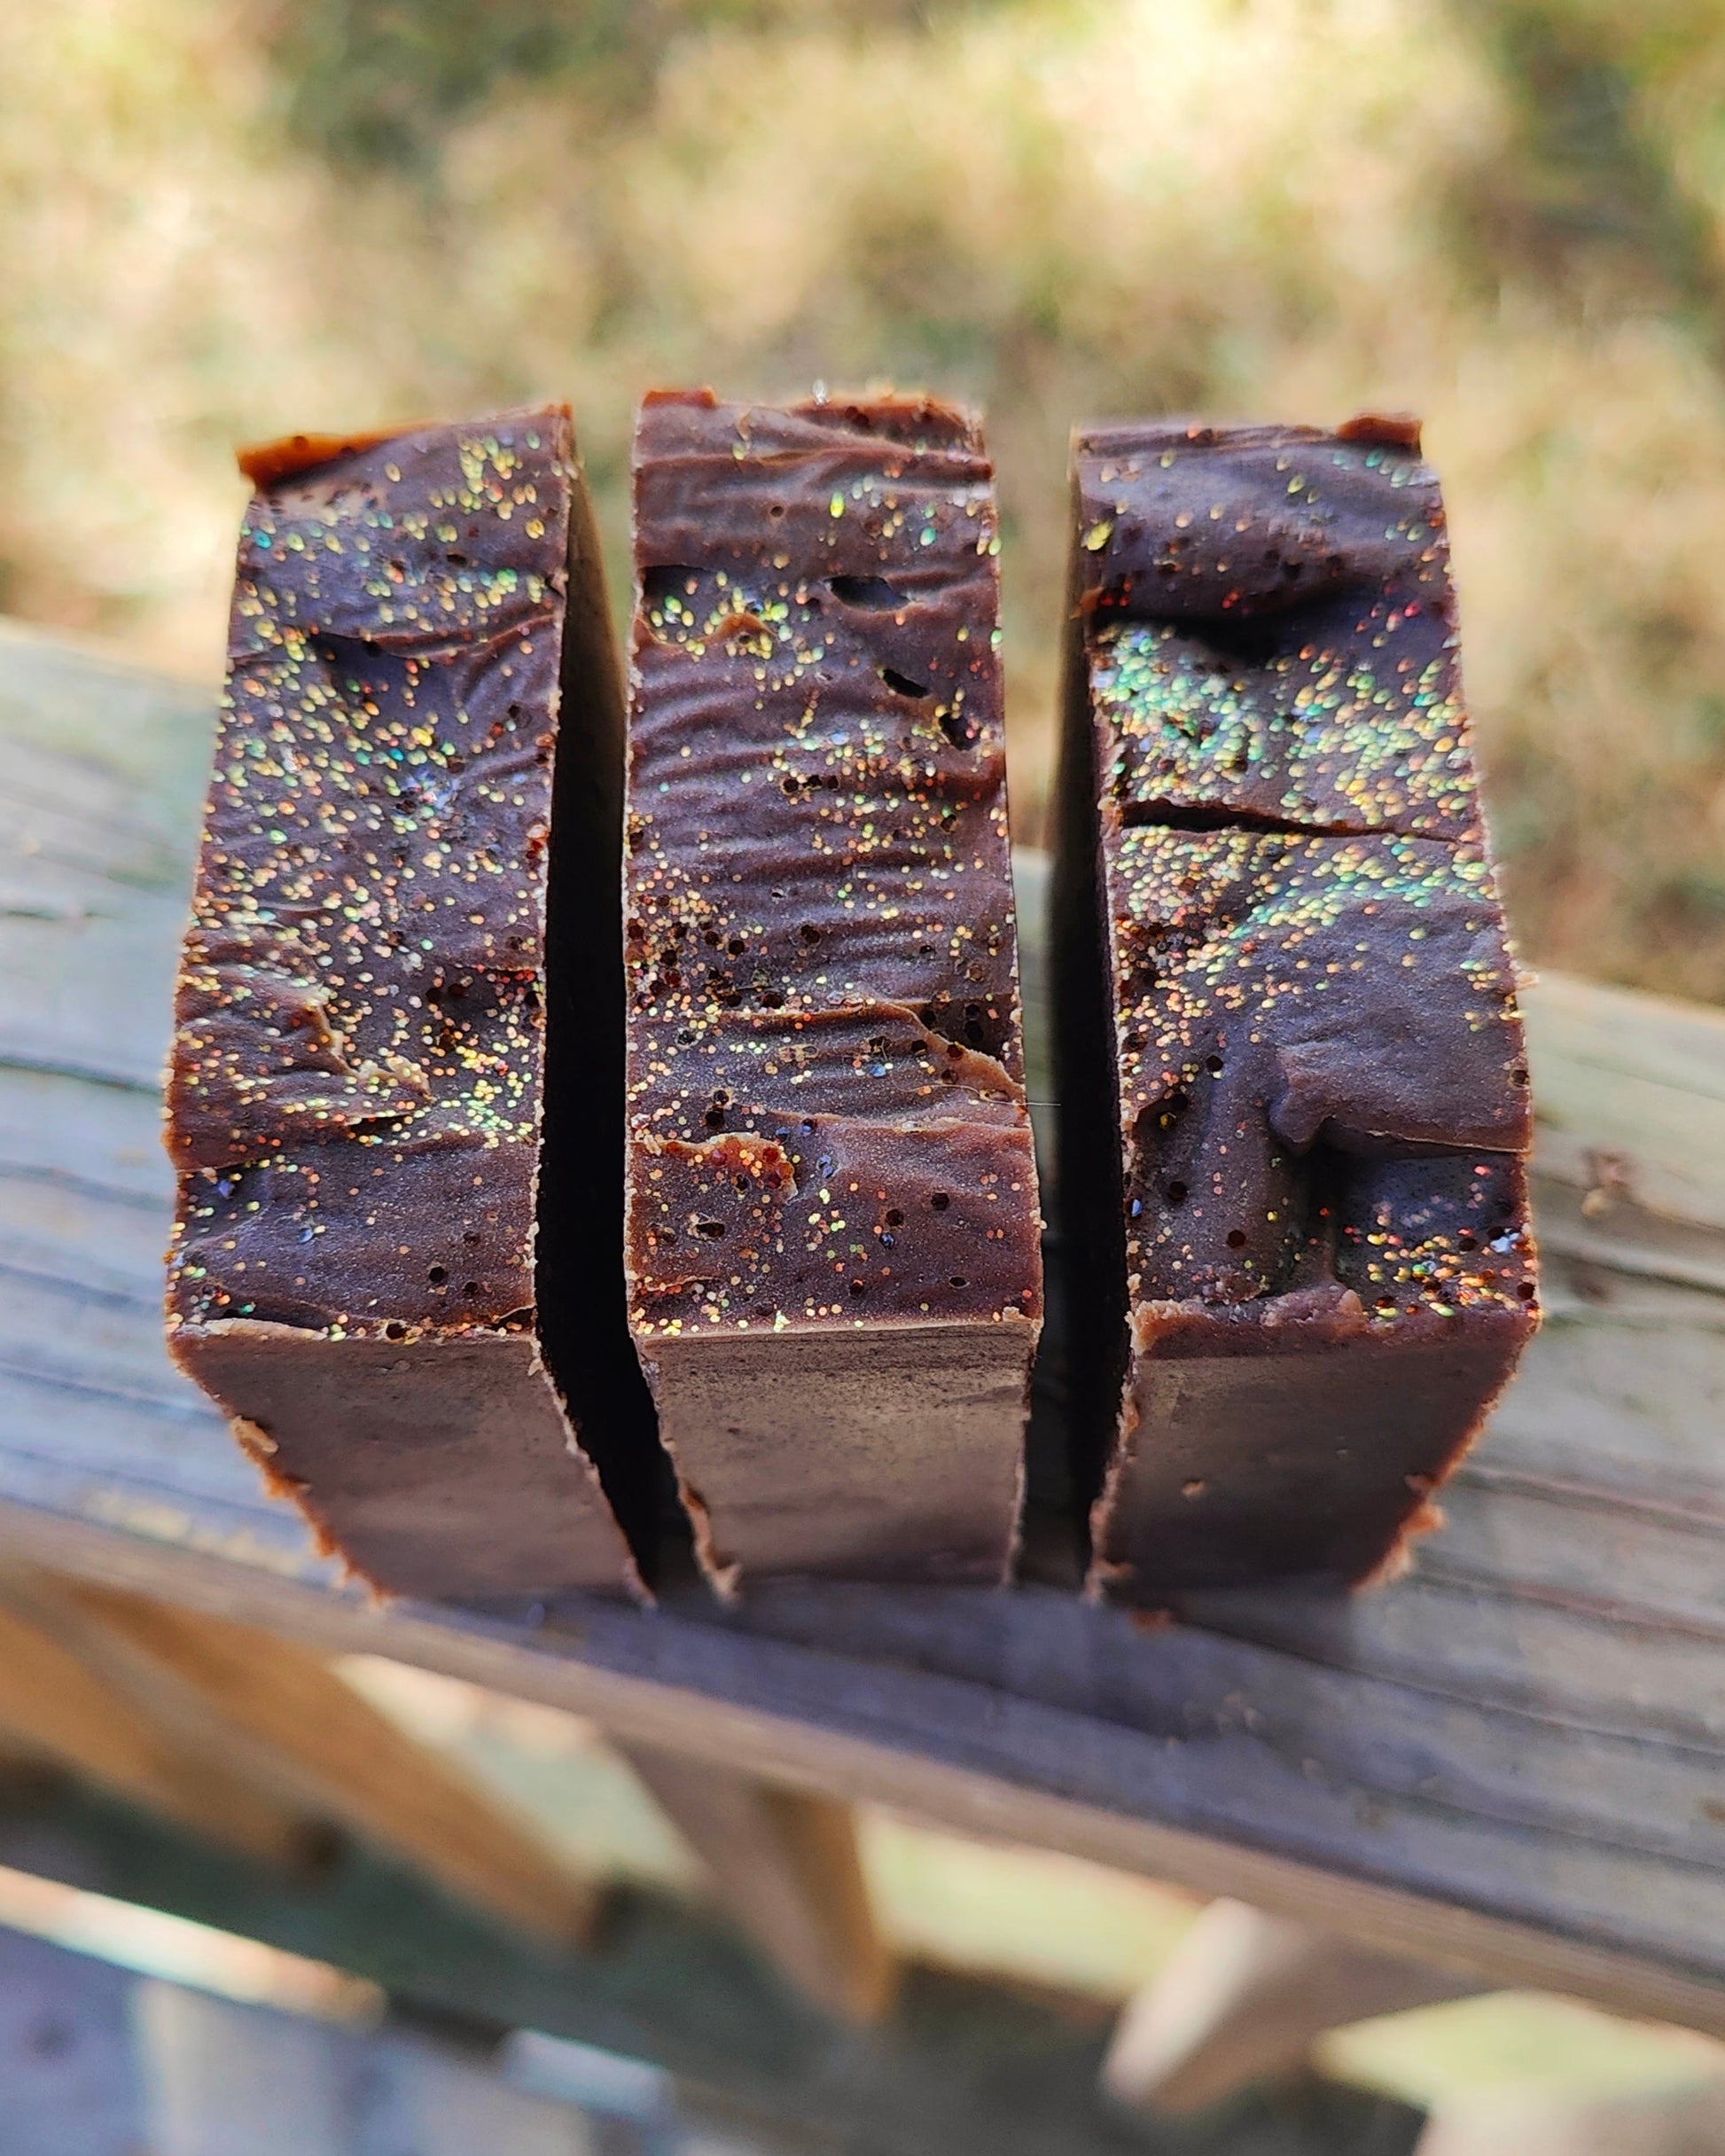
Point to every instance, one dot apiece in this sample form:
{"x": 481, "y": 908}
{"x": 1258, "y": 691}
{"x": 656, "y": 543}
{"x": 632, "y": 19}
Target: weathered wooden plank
{"x": 784, "y": 1864}
{"x": 1244, "y": 1998}
{"x": 62, "y": 1710}
{"x": 251, "y": 1705}
{"x": 1511, "y": 1757}
{"x": 1631, "y": 1096}
{"x": 960, "y": 2063}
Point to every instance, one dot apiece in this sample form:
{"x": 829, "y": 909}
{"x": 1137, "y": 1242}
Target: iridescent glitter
{"x": 1322, "y": 1089}
{"x": 826, "y": 1105}
{"x": 355, "y": 1088}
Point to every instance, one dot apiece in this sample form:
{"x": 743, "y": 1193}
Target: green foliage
{"x": 1589, "y": 182}
{"x": 379, "y": 82}
{"x": 220, "y": 223}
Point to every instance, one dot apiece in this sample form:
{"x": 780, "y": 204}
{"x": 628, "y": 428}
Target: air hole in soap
{"x": 895, "y": 1218}
{"x": 957, "y": 1280}
{"x": 1176, "y": 1193}
{"x": 1518, "y": 1077}
{"x": 437, "y": 1275}
{"x": 940, "y": 1200}
{"x": 715, "y": 1119}
{"x": 775, "y": 509}
{"x": 1236, "y": 1239}
{"x": 957, "y": 733}
{"x": 902, "y": 684}
{"x": 711, "y": 1229}
{"x": 792, "y": 786}
{"x": 1527, "y": 1291}
{"x": 737, "y": 947}
{"x": 1465, "y": 1240}
{"x": 1213, "y": 1064}
{"x": 857, "y": 1288}
{"x": 394, "y": 1333}
{"x": 470, "y": 1288}
{"x": 866, "y": 591}
{"x": 669, "y": 580}
{"x": 809, "y": 933}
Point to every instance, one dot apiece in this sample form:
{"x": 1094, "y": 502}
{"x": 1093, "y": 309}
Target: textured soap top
{"x": 1309, "y": 969}
{"x": 826, "y": 1102}
{"x": 1272, "y": 630}
{"x": 353, "y": 1095}
{"x": 1278, "y": 990}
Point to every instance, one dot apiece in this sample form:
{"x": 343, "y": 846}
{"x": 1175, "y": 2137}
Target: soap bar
{"x": 1294, "y": 1086}
{"x": 357, "y": 1082}
{"x": 833, "y": 1236}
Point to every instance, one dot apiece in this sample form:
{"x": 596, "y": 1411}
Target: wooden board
{"x": 1510, "y": 1760}
{"x": 961, "y": 2066}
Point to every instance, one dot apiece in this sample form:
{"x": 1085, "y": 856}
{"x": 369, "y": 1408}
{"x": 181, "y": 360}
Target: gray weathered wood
{"x": 784, "y": 1864}
{"x": 260, "y": 1719}
{"x": 1244, "y": 1997}
{"x": 1510, "y": 1760}
{"x": 961, "y": 2063}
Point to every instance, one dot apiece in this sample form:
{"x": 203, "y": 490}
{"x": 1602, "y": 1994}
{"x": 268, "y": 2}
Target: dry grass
{"x": 218, "y": 224}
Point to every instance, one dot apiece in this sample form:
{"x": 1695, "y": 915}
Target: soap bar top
{"x": 1272, "y": 628}
{"x": 1321, "y": 1065}
{"x": 1282, "y": 992}
{"x": 356, "y": 1063}
{"x": 826, "y": 1098}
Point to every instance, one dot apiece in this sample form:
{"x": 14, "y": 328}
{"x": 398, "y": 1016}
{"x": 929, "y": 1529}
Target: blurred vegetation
{"x": 221, "y": 221}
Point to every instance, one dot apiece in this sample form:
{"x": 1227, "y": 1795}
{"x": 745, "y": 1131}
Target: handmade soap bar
{"x": 833, "y": 1245}
{"x": 357, "y": 1082}
{"x": 1295, "y": 1097}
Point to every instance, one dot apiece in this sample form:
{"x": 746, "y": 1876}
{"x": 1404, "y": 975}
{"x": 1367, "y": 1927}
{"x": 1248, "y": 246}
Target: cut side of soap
{"x": 833, "y": 1236}
{"x": 356, "y": 1092}
{"x": 1294, "y": 1089}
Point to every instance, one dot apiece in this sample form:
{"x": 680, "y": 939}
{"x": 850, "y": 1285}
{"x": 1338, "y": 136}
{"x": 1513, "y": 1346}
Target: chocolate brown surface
{"x": 833, "y": 1251}
{"x": 357, "y": 1082}
{"x": 1296, "y": 1097}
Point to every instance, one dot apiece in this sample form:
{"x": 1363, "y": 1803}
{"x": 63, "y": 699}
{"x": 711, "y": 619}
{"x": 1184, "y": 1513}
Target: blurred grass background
{"x": 221, "y": 221}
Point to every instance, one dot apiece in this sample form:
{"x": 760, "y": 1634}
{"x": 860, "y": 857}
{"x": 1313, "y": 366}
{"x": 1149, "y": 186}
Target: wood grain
{"x": 785, "y": 1864}
{"x": 66, "y": 1711}
{"x": 269, "y": 1711}
{"x": 1244, "y": 1998}
{"x": 1510, "y": 1761}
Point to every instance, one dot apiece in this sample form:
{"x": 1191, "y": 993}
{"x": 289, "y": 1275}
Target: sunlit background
{"x": 221, "y": 220}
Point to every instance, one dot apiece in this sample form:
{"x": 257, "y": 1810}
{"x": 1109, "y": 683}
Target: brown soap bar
{"x": 357, "y": 1082}
{"x": 1295, "y": 1092}
{"x": 833, "y": 1236}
